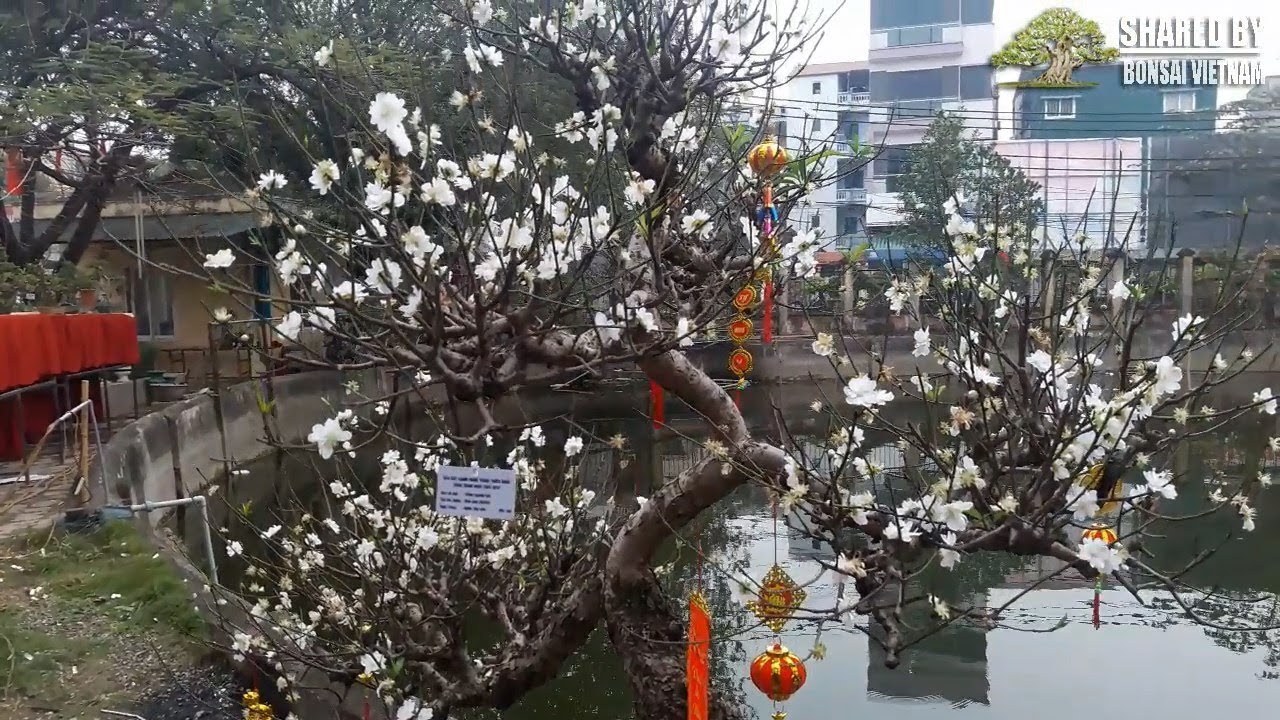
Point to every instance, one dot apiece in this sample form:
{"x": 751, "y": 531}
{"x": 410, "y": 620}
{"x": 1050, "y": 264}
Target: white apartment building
{"x": 925, "y": 56}
{"x": 825, "y": 106}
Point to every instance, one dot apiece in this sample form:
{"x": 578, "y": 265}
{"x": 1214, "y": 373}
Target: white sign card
{"x": 476, "y": 492}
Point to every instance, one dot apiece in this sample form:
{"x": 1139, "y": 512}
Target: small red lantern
{"x": 778, "y": 673}
{"x": 1100, "y": 532}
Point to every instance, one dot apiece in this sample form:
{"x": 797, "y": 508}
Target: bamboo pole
{"x": 82, "y": 488}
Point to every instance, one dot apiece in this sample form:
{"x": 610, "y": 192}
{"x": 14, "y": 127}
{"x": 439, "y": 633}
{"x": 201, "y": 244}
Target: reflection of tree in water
{"x": 1238, "y": 609}
{"x": 1246, "y": 587}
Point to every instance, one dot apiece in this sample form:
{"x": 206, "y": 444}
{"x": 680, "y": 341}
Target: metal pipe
{"x": 97, "y": 438}
{"x": 207, "y": 534}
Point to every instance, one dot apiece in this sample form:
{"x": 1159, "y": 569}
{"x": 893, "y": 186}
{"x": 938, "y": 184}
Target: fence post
{"x": 1048, "y": 271}
{"x": 1187, "y": 277}
{"x": 848, "y": 295}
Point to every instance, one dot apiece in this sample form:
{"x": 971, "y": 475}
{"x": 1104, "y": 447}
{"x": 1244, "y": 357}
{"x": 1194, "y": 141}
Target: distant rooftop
{"x": 832, "y": 68}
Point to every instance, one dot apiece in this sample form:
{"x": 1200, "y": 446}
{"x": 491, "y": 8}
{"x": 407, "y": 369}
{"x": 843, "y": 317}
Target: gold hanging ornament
{"x": 778, "y": 599}
{"x": 254, "y": 708}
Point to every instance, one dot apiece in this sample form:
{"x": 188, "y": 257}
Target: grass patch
{"x": 114, "y": 570}
{"x": 88, "y": 619}
{"x": 30, "y": 657}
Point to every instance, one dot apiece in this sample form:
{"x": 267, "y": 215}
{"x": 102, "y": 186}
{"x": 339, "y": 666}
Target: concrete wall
{"x": 177, "y": 451}
{"x": 792, "y": 359}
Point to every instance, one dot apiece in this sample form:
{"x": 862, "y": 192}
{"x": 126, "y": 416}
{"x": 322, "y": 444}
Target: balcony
{"x": 854, "y": 98}
{"x": 851, "y": 195}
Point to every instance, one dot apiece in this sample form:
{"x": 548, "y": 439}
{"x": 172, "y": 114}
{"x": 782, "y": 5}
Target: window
{"x": 817, "y": 124}
{"x": 846, "y": 126}
{"x": 151, "y": 301}
{"x": 851, "y": 225}
{"x": 850, "y": 174}
{"x": 1059, "y": 108}
{"x": 1180, "y": 101}
{"x": 897, "y": 13}
{"x": 780, "y": 132}
{"x": 975, "y": 12}
{"x": 916, "y": 84}
{"x": 816, "y": 221}
{"x": 817, "y": 88}
{"x": 923, "y": 35}
{"x": 853, "y": 81}
{"x": 975, "y": 82}
{"x": 891, "y": 161}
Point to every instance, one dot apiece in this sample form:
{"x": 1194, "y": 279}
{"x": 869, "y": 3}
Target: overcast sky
{"x": 846, "y": 34}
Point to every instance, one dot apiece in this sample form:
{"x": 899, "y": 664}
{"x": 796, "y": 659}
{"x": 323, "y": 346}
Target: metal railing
{"x": 853, "y": 98}
{"x": 851, "y": 195}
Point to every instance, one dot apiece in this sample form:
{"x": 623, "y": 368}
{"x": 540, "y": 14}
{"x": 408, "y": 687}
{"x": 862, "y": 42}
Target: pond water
{"x": 1147, "y": 660}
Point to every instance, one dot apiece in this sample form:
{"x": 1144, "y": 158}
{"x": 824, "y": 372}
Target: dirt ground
{"x": 98, "y": 622}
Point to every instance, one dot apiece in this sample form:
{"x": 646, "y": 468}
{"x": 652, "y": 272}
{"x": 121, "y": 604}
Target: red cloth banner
{"x": 698, "y": 668}
{"x": 38, "y": 347}
{"x": 12, "y": 171}
{"x": 658, "y": 402}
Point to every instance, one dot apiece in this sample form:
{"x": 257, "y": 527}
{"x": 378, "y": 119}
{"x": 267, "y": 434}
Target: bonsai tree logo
{"x": 1062, "y": 41}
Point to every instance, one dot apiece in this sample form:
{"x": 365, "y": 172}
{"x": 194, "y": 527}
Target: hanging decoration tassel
{"x": 737, "y": 398}
{"x": 768, "y": 229}
{"x": 766, "y": 330}
{"x": 1097, "y": 603}
{"x": 658, "y": 404}
{"x": 1100, "y": 532}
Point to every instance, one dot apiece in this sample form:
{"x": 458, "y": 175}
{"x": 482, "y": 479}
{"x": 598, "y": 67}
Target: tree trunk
{"x": 649, "y": 635}
{"x": 1061, "y": 64}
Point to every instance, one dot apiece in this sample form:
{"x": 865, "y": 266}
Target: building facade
{"x": 825, "y": 106}
{"x": 1110, "y": 109}
{"x": 924, "y": 57}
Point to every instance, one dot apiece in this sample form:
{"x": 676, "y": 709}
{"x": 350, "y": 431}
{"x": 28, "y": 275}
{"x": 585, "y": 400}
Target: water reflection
{"x": 1146, "y": 660}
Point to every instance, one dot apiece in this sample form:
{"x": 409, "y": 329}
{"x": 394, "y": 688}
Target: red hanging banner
{"x": 698, "y": 667}
{"x": 767, "y": 311}
{"x": 657, "y": 401}
{"x": 13, "y": 171}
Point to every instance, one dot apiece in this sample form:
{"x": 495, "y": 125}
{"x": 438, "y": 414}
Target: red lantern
{"x": 740, "y": 330}
{"x": 1100, "y": 532}
{"x": 778, "y": 673}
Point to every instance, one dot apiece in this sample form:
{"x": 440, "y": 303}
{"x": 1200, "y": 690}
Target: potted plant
{"x": 50, "y": 291}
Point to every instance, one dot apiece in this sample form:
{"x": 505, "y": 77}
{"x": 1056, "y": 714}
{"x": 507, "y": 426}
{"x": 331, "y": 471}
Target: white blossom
{"x": 323, "y": 176}
{"x": 1104, "y": 558}
{"x": 922, "y": 348}
{"x": 1267, "y": 400}
{"x": 861, "y": 391}
{"x": 329, "y": 435}
{"x": 387, "y": 111}
{"x": 219, "y": 260}
{"x": 272, "y": 180}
